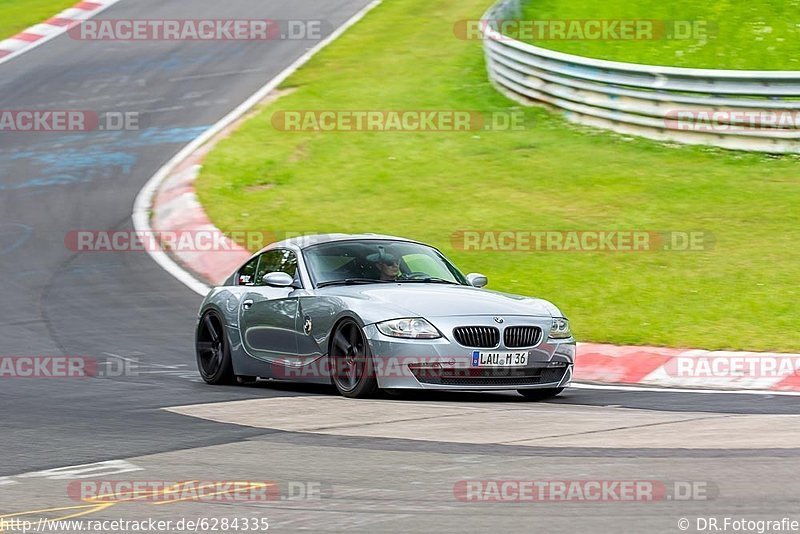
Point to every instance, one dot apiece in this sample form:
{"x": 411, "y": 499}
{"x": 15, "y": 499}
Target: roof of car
{"x": 305, "y": 241}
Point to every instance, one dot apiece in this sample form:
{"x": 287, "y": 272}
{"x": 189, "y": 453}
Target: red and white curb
{"x": 176, "y": 209}
{"x": 53, "y": 27}
{"x": 168, "y": 203}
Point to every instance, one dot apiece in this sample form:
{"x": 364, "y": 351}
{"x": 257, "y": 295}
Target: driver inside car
{"x": 387, "y": 265}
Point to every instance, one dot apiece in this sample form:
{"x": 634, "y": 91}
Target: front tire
{"x": 213, "y": 350}
{"x": 352, "y": 368}
{"x": 539, "y": 394}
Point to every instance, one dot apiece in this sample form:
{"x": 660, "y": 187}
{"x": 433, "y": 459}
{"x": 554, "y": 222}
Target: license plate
{"x": 499, "y": 359}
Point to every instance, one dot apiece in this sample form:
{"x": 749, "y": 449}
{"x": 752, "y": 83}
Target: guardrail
{"x": 733, "y": 109}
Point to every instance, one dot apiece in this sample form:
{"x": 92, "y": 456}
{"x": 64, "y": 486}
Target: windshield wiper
{"x": 352, "y": 281}
{"x": 431, "y": 280}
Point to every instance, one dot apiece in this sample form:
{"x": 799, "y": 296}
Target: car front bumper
{"x": 444, "y": 364}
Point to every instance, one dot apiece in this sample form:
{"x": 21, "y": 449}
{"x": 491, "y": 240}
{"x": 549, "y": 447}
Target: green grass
{"x": 16, "y": 15}
{"x": 741, "y": 294}
{"x": 754, "y": 35}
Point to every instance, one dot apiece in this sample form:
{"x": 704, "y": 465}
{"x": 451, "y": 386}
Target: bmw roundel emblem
{"x": 498, "y": 320}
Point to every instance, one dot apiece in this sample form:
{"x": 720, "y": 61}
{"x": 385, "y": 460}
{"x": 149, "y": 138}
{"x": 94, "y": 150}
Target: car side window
{"x": 279, "y": 260}
{"x": 247, "y": 274}
{"x": 288, "y": 263}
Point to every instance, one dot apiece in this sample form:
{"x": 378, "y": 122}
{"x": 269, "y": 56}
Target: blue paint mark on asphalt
{"x": 63, "y": 179}
{"x": 13, "y": 235}
{"x": 98, "y": 268}
{"x": 81, "y": 158}
{"x": 77, "y": 270}
{"x": 176, "y": 62}
{"x": 157, "y": 136}
{"x": 70, "y": 160}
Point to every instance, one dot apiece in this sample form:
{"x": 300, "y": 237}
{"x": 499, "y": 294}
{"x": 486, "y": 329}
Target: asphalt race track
{"x": 389, "y": 464}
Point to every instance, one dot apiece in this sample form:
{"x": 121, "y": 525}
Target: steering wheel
{"x": 416, "y": 275}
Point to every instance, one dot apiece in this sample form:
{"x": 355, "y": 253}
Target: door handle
{"x": 247, "y": 304}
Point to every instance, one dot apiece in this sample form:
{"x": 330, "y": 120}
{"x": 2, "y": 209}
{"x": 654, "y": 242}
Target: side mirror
{"x": 278, "y": 279}
{"x": 477, "y": 280}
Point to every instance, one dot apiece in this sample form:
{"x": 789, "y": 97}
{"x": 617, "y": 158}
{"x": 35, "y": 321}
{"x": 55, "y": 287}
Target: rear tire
{"x": 352, "y": 369}
{"x": 539, "y": 394}
{"x": 213, "y": 350}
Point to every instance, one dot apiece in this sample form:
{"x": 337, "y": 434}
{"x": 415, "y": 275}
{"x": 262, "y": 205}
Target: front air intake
{"x": 485, "y": 337}
{"x": 522, "y": 336}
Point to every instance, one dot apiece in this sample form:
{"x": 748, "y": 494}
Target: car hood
{"x": 437, "y": 300}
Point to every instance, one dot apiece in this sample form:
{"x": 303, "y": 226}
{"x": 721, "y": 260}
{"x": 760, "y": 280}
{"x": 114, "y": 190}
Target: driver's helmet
{"x": 382, "y": 257}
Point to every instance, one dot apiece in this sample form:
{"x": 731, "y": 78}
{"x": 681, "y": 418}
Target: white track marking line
{"x": 215, "y": 75}
{"x": 579, "y": 385}
{"x": 108, "y": 468}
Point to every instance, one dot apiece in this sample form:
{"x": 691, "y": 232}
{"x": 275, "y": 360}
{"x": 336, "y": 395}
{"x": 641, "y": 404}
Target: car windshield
{"x": 375, "y": 261}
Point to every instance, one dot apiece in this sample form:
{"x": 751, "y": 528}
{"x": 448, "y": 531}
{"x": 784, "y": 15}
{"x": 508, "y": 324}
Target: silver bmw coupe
{"x": 370, "y": 312}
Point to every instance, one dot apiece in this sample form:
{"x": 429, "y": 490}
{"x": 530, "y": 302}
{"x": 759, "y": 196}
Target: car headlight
{"x": 560, "y": 329}
{"x": 412, "y": 328}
